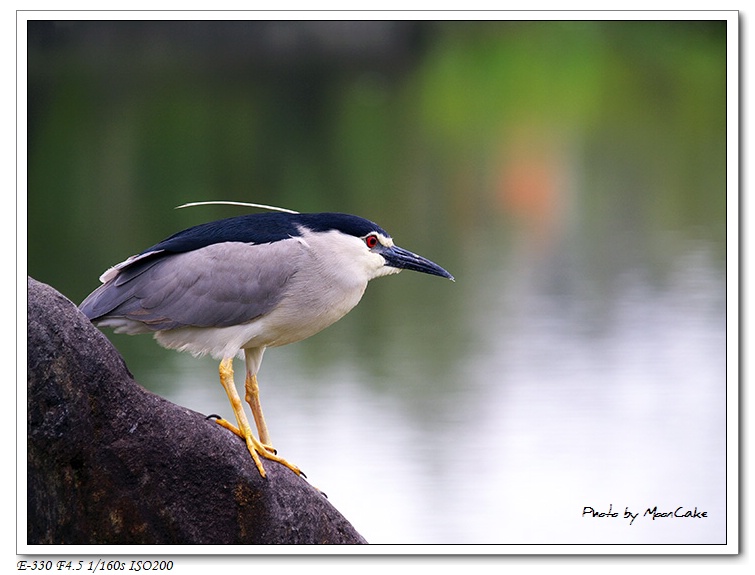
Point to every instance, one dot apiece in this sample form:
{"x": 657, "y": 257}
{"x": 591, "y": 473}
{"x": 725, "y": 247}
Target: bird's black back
{"x": 263, "y": 229}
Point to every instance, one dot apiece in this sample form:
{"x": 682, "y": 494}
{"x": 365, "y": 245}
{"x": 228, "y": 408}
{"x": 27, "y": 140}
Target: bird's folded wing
{"x": 218, "y": 285}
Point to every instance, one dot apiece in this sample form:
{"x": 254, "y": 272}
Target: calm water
{"x": 579, "y": 358}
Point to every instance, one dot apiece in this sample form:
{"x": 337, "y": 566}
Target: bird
{"x": 237, "y": 286}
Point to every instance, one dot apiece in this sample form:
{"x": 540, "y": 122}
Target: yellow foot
{"x": 230, "y": 427}
{"x": 256, "y": 448}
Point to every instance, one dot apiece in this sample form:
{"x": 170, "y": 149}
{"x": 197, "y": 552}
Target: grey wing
{"x": 216, "y": 286}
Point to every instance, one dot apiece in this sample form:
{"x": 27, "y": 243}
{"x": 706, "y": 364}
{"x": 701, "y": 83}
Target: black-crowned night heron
{"x": 245, "y": 284}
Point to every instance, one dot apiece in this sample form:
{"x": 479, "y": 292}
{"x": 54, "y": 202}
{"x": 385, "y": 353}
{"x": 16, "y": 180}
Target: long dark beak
{"x": 397, "y": 257}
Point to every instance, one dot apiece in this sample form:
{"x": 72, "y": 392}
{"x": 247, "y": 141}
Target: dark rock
{"x": 111, "y": 463}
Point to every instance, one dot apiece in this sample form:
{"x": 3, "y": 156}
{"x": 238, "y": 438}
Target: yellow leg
{"x": 253, "y": 399}
{"x": 244, "y": 430}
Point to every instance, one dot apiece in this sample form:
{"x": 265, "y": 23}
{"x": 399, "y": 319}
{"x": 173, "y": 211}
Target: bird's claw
{"x": 256, "y": 447}
{"x": 229, "y": 426}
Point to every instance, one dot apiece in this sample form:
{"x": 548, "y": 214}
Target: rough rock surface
{"x": 111, "y": 463}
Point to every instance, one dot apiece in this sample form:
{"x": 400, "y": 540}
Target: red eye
{"x": 371, "y": 241}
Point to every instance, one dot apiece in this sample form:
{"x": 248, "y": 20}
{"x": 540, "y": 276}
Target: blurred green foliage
{"x": 621, "y": 122}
